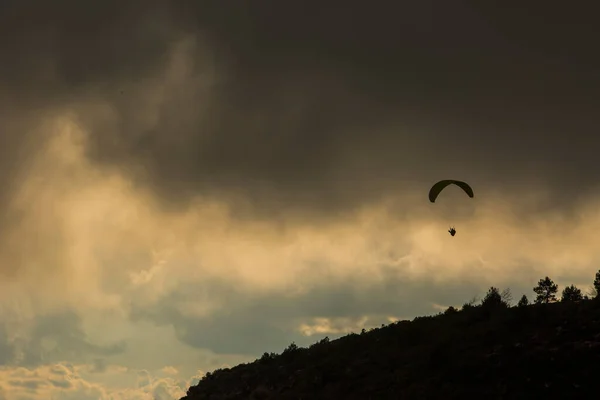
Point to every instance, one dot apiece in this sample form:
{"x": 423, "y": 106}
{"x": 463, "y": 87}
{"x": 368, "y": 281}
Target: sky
{"x": 185, "y": 185}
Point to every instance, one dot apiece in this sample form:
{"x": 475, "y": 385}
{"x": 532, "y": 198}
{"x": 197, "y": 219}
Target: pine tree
{"x": 495, "y": 299}
{"x": 546, "y": 291}
{"x": 523, "y": 302}
{"x": 571, "y": 293}
{"x": 597, "y": 285}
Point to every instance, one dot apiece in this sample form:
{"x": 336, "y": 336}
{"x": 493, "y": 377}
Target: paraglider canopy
{"x": 439, "y": 186}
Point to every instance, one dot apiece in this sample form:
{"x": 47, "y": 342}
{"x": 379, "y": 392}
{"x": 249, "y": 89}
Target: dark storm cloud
{"x": 321, "y": 104}
{"x": 49, "y": 53}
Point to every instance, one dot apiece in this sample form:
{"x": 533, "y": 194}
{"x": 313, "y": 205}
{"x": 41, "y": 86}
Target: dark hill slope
{"x": 539, "y": 351}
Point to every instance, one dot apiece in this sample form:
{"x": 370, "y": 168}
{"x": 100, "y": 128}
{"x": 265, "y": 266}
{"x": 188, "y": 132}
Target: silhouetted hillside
{"x": 489, "y": 351}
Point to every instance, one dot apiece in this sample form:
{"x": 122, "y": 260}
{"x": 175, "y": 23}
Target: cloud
{"x": 169, "y": 370}
{"x": 213, "y": 182}
{"x": 49, "y": 338}
{"x": 63, "y": 381}
{"x": 123, "y": 255}
{"x": 202, "y": 99}
{"x": 263, "y": 132}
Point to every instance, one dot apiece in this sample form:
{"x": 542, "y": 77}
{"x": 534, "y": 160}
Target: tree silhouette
{"x": 439, "y": 348}
{"x": 523, "y": 301}
{"x": 494, "y": 299}
{"x": 597, "y": 284}
{"x": 291, "y": 348}
{"x": 506, "y": 296}
{"x": 571, "y": 293}
{"x": 450, "y": 310}
{"x": 470, "y": 304}
{"x": 546, "y": 291}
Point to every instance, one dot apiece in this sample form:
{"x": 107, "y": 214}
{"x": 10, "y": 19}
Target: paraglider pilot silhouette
{"x": 439, "y": 186}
